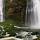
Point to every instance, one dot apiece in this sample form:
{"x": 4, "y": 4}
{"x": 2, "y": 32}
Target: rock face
{"x": 11, "y": 38}
{"x": 15, "y": 9}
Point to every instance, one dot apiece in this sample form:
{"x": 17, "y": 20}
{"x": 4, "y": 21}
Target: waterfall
{"x": 33, "y": 14}
{"x": 1, "y": 10}
{"x": 36, "y": 11}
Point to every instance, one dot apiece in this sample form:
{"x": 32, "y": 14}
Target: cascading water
{"x": 1, "y": 10}
{"x": 34, "y": 17}
{"x": 36, "y": 11}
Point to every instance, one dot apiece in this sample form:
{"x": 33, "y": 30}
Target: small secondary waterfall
{"x": 1, "y": 10}
{"x": 33, "y": 14}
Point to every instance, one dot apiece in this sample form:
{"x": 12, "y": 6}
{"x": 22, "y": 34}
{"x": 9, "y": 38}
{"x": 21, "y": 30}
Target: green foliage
{"x": 8, "y": 26}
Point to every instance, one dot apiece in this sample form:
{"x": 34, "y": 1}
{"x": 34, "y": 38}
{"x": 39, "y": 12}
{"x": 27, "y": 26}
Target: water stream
{"x": 1, "y": 10}
{"x": 34, "y": 14}
{"x": 36, "y": 11}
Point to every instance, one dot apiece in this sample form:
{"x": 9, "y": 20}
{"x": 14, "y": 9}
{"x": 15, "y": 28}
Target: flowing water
{"x": 34, "y": 14}
{"x": 36, "y": 11}
{"x": 1, "y": 10}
